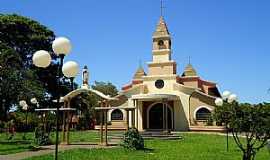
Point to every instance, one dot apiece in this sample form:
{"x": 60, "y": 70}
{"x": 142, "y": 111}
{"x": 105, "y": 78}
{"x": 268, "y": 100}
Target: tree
{"x": 86, "y": 102}
{"x": 24, "y": 36}
{"x": 105, "y": 87}
{"x": 15, "y": 82}
{"x": 250, "y": 121}
{"x": 20, "y": 38}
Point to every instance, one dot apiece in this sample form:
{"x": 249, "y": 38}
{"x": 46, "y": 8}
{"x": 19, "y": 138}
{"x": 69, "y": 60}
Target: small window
{"x": 203, "y": 114}
{"x": 159, "y": 83}
{"x": 161, "y": 44}
{"x": 117, "y": 115}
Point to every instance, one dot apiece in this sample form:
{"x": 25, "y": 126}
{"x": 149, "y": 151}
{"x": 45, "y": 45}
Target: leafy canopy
{"x": 20, "y": 38}
{"x": 251, "y": 121}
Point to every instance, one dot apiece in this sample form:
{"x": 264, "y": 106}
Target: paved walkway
{"x": 47, "y": 150}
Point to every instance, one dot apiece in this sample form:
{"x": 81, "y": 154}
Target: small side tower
{"x": 189, "y": 71}
{"x": 139, "y": 73}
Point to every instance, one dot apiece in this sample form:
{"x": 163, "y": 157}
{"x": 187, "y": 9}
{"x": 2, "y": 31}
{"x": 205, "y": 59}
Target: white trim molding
{"x": 200, "y": 107}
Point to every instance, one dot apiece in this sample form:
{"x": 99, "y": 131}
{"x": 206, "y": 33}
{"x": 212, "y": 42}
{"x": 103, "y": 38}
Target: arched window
{"x": 203, "y": 114}
{"x": 117, "y": 114}
{"x": 161, "y": 44}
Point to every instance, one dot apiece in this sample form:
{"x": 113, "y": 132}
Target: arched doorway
{"x": 156, "y": 117}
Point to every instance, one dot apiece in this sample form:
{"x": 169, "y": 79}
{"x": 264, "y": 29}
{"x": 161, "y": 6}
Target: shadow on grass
{"x": 15, "y": 142}
{"x": 82, "y": 144}
{"x": 14, "y": 150}
{"x": 148, "y": 150}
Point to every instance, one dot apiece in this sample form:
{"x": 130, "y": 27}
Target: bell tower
{"x": 161, "y": 51}
{"x": 161, "y": 42}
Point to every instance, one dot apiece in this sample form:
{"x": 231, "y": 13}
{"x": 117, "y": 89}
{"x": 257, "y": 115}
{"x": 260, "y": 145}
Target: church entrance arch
{"x": 157, "y": 117}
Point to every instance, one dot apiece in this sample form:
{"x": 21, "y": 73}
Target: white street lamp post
{"x": 25, "y": 107}
{"x": 228, "y": 97}
{"x": 70, "y": 70}
{"x": 61, "y": 47}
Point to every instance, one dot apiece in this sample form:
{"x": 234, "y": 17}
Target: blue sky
{"x": 228, "y": 40}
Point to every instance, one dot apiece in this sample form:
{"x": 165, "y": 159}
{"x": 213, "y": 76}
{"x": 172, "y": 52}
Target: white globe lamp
{"x": 22, "y": 103}
{"x": 219, "y": 102}
{"x": 232, "y": 98}
{"x": 25, "y": 107}
{"x": 61, "y": 46}
{"x": 226, "y": 94}
{"x": 33, "y": 100}
{"x": 70, "y": 69}
{"x": 42, "y": 59}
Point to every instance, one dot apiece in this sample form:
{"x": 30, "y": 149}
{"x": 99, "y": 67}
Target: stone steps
{"x": 151, "y": 135}
{"x": 207, "y": 128}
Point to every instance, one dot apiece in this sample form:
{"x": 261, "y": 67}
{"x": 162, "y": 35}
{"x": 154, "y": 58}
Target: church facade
{"x": 162, "y": 98}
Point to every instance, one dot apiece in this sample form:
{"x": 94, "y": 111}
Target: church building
{"x": 163, "y": 98}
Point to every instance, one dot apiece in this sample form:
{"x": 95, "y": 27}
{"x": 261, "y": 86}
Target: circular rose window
{"x": 159, "y": 83}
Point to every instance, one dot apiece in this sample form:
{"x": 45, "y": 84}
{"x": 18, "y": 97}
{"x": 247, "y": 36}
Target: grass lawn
{"x": 191, "y": 147}
{"x": 18, "y": 145}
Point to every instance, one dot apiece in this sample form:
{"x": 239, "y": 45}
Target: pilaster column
{"x": 127, "y": 119}
{"x": 137, "y": 114}
{"x": 101, "y": 124}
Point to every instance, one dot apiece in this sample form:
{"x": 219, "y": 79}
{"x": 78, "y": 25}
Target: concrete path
{"x": 47, "y": 150}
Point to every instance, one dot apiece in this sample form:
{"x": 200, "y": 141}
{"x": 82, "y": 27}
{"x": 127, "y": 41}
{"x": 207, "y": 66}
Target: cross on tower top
{"x": 161, "y": 7}
{"x": 140, "y": 63}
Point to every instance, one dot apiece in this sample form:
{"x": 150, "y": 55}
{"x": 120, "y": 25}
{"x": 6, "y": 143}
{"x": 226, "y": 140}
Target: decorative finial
{"x": 189, "y": 60}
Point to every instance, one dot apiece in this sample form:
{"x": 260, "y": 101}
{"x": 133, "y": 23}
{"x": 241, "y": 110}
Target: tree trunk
{"x": 248, "y": 155}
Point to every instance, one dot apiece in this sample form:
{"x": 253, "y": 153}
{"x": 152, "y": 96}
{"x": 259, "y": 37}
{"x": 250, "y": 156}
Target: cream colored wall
{"x": 182, "y": 112}
{"x": 197, "y": 101}
{"x": 140, "y": 118}
{"x": 161, "y": 58}
{"x": 162, "y": 69}
{"x": 163, "y": 55}
{"x": 168, "y": 84}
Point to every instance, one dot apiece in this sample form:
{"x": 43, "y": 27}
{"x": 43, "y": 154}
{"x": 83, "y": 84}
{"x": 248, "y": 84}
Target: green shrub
{"x": 42, "y": 137}
{"x": 210, "y": 121}
{"x": 10, "y": 129}
{"x": 133, "y": 140}
{"x": 20, "y": 121}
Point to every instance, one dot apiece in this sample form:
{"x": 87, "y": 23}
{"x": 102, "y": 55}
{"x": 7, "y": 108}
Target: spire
{"x": 139, "y": 73}
{"x": 161, "y": 29}
{"x": 189, "y": 71}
